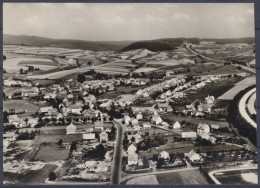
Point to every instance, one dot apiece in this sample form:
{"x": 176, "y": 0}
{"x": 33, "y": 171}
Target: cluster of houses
{"x": 89, "y": 135}
{"x": 146, "y": 92}
{"x": 132, "y": 81}
{"x": 18, "y": 83}
{"x": 198, "y": 107}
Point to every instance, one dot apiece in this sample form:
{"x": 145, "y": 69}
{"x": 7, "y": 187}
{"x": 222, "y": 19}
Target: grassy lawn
{"x": 188, "y": 177}
{"x": 31, "y": 177}
{"x": 51, "y": 152}
{"x": 55, "y": 138}
{"x": 23, "y": 104}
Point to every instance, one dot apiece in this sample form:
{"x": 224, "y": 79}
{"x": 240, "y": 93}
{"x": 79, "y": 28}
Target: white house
{"x": 71, "y": 129}
{"x": 132, "y": 155}
{"x": 108, "y": 130}
{"x": 146, "y": 94}
{"x": 176, "y": 125}
{"x": 214, "y": 126}
{"x": 203, "y": 128}
{"x": 127, "y": 120}
{"x": 134, "y": 121}
{"x": 193, "y": 156}
{"x": 146, "y": 126}
{"x": 137, "y": 137}
{"x": 139, "y": 116}
{"x": 89, "y": 137}
{"x": 157, "y": 120}
{"x": 191, "y": 135}
{"x": 210, "y": 99}
{"x": 165, "y": 155}
{"x": 103, "y": 137}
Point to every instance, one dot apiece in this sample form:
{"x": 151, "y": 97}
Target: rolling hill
{"x": 164, "y": 44}
{"x": 160, "y": 44}
{"x": 64, "y": 43}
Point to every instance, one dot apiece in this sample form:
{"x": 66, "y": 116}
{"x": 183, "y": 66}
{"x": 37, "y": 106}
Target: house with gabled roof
{"x": 132, "y": 156}
{"x": 164, "y": 155}
{"x": 210, "y": 99}
{"x": 193, "y": 156}
{"x": 176, "y": 125}
{"x": 71, "y": 129}
{"x": 103, "y": 137}
{"x": 203, "y": 128}
{"x": 156, "y": 119}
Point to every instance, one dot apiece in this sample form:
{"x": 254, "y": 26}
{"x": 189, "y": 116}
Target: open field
{"x": 187, "y": 177}
{"x": 145, "y": 69}
{"x": 15, "y": 64}
{"x": 144, "y": 180}
{"x": 51, "y": 152}
{"x": 171, "y": 62}
{"x": 230, "y": 94}
{"x": 22, "y": 104}
{"x": 31, "y": 177}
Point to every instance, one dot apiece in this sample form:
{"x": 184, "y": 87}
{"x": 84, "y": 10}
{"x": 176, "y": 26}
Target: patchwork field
{"x": 171, "y": 62}
{"x": 15, "y": 64}
{"x": 188, "y": 177}
{"x": 184, "y": 177}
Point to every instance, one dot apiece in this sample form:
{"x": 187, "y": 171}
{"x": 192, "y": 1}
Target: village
{"x": 103, "y": 128}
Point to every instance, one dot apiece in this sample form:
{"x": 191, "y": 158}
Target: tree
{"x": 52, "y": 176}
{"x": 60, "y": 142}
{"x": 155, "y": 157}
{"x": 160, "y": 163}
{"x": 81, "y": 78}
{"x": 5, "y": 117}
{"x": 26, "y": 120}
{"x": 73, "y": 146}
{"x": 146, "y": 163}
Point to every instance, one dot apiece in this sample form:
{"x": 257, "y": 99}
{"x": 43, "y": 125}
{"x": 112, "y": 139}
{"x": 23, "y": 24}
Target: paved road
{"x": 251, "y": 104}
{"x": 242, "y": 107}
{"x": 117, "y": 159}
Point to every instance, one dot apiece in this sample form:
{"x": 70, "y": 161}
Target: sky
{"x": 129, "y": 21}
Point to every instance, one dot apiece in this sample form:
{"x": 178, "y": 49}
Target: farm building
{"x": 191, "y": 135}
{"x": 71, "y": 129}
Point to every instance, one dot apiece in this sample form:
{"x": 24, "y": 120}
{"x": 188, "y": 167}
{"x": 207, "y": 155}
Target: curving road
{"x": 251, "y": 104}
{"x": 243, "y": 105}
